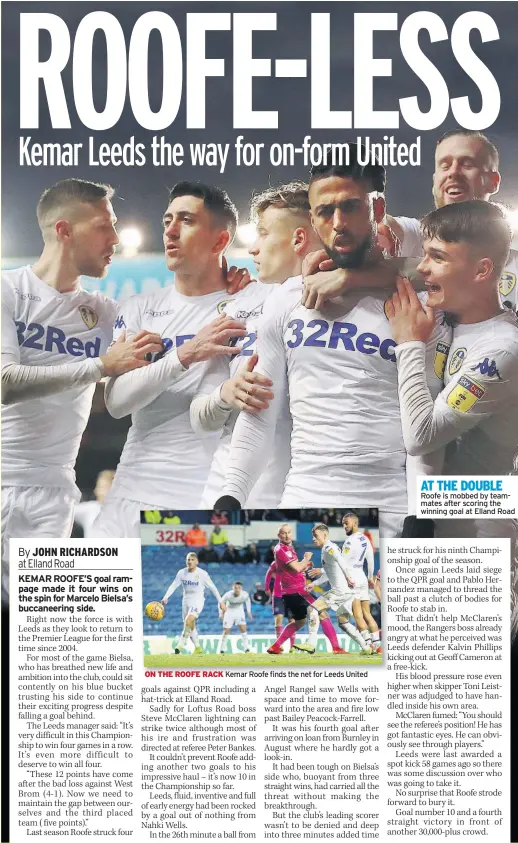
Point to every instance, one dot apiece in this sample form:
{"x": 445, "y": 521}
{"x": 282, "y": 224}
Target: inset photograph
{"x": 261, "y": 587}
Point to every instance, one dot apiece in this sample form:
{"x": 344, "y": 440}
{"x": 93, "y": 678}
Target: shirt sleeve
{"x": 212, "y": 588}
{"x": 369, "y": 555}
{"x": 269, "y": 574}
{"x": 176, "y": 583}
{"x": 479, "y": 389}
{"x": 128, "y": 393}
{"x": 208, "y": 412}
{"x": 412, "y": 243}
{"x": 253, "y": 435}
{"x": 248, "y": 604}
{"x": 23, "y": 383}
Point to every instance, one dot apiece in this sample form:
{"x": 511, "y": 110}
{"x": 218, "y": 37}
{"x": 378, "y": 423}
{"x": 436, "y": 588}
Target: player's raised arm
{"x": 301, "y": 564}
{"x": 249, "y": 608}
{"x": 23, "y": 383}
{"x": 480, "y": 388}
{"x": 246, "y": 390}
{"x": 253, "y": 434}
{"x": 208, "y": 583}
{"x": 126, "y": 395}
{"x": 176, "y": 583}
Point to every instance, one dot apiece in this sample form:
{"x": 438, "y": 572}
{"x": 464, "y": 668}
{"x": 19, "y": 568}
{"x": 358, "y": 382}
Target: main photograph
{"x": 307, "y": 335}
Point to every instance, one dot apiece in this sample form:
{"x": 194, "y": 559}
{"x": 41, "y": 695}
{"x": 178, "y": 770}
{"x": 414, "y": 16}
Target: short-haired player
{"x": 235, "y": 600}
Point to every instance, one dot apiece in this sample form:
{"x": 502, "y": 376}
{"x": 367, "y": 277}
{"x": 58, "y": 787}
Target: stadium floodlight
{"x": 130, "y": 240}
{"x": 247, "y": 233}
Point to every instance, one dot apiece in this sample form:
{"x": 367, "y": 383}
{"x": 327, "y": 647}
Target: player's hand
{"x": 350, "y": 582}
{"x": 388, "y": 241}
{"x": 317, "y": 262}
{"x": 164, "y": 601}
{"x": 236, "y": 279}
{"x": 268, "y": 593}
{"x": 315, "y": 573}
{"x": 125, "y": 355}
{"x": 370, "y": 583}
{"x": 248, "y": 390}
{"x": 409, "y": 319}
{"x": 223, "y": 607}
{"x": 212, "y": 340}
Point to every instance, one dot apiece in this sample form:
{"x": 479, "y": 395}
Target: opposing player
{"x": 339, "y": 368}
{"x": 164, "y": 464}
{"x": 194, "y": 581}
{"x": 476, "y": 414}
{"x": 357, "y": 551}
{"x": 55, "y": 337}
{"x": 466, "y": 167}
{"x": 296, "y": 597}
{"x": 284, "y": 238}
{"x": 235, "y": 601}
{"x": 342, "y": 595}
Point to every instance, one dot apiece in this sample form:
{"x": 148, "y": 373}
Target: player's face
{"x": 272, "y": 249}
{"x": 319, "y": 539}
{"x": 93, "y": 238}
{"x": 462, "y": 171}
{"x": 449, "y": 270}
{"x": 237, "y": 590}
{"x": 342, "y": 216}
{"x": 191, "y": 235}
{"x": 285, "y": 535}
{"x": 348, "y": 524}
{"x": 192, "y": 562}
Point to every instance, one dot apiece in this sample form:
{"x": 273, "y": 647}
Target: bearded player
{"x": 339, "y": 368}
{"x": 358, "y": 552}
{"x": 193, "y": 581}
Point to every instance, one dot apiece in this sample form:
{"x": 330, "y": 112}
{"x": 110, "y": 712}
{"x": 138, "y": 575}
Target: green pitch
{"x": 260, "y": 660}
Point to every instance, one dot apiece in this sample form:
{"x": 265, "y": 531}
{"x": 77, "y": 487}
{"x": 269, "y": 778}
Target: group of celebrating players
{"x": 333, "y": 380}
{"x": 293, "y": 583}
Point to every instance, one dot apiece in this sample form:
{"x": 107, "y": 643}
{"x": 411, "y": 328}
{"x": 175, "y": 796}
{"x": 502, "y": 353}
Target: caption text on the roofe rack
{"x": 126, "y": 75}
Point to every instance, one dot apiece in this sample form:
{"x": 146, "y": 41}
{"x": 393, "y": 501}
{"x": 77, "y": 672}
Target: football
{"x": 155, "y": 611}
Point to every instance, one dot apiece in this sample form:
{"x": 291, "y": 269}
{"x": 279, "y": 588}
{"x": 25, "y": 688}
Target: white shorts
{"x": 34, "y": 512}
{"x": 361, "y": 585}
{"x": 119, "y": 518}
{"x": 234, "y": 616}
{"x": 192, "y": 608}
{"x": 340, "y": 602}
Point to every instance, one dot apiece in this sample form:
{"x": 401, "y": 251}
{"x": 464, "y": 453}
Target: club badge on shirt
{"x": 89, "y": 316}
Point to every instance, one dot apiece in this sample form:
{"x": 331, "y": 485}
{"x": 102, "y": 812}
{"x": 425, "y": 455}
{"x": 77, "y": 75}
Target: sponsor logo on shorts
{"x": 465, "y": 394}
{"x": 457, "y": 359}
{"x": 441, "y": 355}
{"x": 89, "y": 316}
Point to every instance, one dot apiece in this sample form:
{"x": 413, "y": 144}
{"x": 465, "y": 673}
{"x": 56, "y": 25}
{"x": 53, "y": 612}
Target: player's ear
{"x": 63, "y": 230}
{"x": 378, "y": 208}
{"x": 299, "y": 241}
{"x": 485, "y": 269}
{"x": 222, "y": 242}
{"x": 492, "y": 182}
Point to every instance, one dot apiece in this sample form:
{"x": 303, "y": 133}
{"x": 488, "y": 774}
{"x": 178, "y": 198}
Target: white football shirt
{"x": 267, "y": 491}
{"x": 193, "y": 585}
{"x": 233, "y": 600}
{"x": 477, "y": 412}
{"x": 357, "y": 550}
{"x": 336, "y": 567}
{"x": 43, "y": 327}
{"x": 164, "y": 460}
{"x": 340, "y": 369}
{"x": 412, "y": 247}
